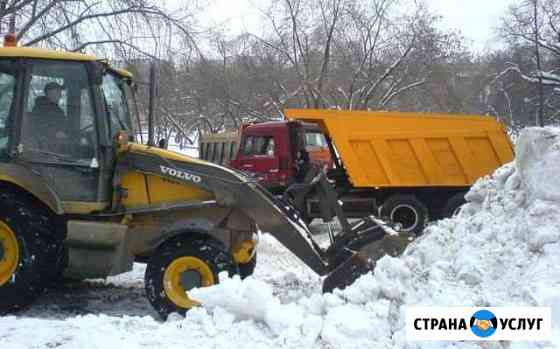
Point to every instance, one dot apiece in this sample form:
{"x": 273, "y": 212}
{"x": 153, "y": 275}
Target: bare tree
{"x": 379, "y": 62}
{"x": 76, "y": 25}
{"x": 535, "y": 24}
{"x": 352, "y": 54}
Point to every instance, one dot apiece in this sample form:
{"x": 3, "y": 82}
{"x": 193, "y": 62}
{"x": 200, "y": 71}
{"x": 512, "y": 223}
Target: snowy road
{"x": 124, "y": 294}
{"x": 69, "y": 316}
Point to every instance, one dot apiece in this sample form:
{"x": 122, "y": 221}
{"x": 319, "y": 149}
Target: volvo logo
{"x": 180, "y": 174}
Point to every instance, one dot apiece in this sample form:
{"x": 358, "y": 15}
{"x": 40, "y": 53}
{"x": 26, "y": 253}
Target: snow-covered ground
{"x": 114, "y": 312}
{"x": 502, "y": 249}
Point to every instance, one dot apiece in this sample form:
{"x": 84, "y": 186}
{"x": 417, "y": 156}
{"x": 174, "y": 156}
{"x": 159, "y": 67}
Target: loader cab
{"x": 59, "y": 114}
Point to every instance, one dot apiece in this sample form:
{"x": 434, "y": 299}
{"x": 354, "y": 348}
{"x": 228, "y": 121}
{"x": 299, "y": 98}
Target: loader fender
{"x": 183, "y": 235}
{"x": 203, "y": 229}
{"x": 25, "y": 179}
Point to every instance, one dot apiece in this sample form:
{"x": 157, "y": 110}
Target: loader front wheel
{"x": 179, "y": 266}
{"x": 406, "y": 210}
{"x": 27, "y": 253}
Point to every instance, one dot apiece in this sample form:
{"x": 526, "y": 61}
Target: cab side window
{"x": 59, "y": 120}
{"x": 269, "y": 146}
{"x": 315, "y": 139}
{"x": 248, "y": 145}
{"x": 259, "y": 145}
{"x": 7, "y": 89}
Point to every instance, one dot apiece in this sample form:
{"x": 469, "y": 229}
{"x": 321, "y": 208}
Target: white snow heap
{"x": 252, "y": 299}
{"x": 503, "y": 249}
{"x": 538, "y": 163}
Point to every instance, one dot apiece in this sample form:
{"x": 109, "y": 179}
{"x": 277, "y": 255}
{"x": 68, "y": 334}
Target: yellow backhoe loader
{"x": 80, "y": 198}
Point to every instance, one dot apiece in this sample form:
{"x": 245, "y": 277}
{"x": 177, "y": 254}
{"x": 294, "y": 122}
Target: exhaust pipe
{"x": 152, "y": 105}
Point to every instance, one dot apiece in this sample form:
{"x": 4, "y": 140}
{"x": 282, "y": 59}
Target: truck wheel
{"x": 27, "y": 253}
{"x": 247, "y": 269}
{"x": 454, "y": 204}
{"x": 406, "y": 210}
{"x": 179, "y": 266}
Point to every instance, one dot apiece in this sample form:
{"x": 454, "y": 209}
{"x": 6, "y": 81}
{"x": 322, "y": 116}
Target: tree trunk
{"x": 540, "y": 112}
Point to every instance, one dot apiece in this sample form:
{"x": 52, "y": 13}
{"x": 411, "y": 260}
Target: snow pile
{"x": 252, "y": 299}
{"x": 503, "y": 249}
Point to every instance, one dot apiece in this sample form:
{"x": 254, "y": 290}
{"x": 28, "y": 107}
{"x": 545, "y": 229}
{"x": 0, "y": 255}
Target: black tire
{"x": 210, "y": 252}
{"x": 247, "y": 269}
{"x": 37, "y": 248}
{"x": 406, "y": 210}
{"x": 454, "y": 204}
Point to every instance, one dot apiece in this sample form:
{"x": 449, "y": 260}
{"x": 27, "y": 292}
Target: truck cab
{"x": 268, "y": 151}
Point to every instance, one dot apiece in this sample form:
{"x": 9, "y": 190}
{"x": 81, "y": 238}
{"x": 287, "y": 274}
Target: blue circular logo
{"x": 483, "y": 323}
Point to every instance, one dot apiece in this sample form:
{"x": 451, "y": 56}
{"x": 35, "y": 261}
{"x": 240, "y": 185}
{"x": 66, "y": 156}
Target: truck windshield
{"x": 116, "y": 104}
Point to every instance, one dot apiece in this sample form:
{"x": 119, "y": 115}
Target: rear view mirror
{"x": 162, "y": 143}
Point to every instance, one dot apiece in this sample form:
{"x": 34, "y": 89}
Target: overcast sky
{"x": 476, "y": 19}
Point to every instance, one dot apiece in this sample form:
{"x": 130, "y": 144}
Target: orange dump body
{"x": 393, "y": 149}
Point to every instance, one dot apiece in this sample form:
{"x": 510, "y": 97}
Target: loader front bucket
{"x": 347, "y": 272}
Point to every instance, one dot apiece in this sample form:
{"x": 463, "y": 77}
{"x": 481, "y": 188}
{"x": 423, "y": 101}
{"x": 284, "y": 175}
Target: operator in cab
{"x": 49, "y": 118}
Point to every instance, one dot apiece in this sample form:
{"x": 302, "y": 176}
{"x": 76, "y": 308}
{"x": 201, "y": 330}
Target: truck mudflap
{"x": 274, "y": 216}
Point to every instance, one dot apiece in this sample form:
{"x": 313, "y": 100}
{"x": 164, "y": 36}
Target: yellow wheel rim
{"x": 182, "y": 271}
{"x": 9, "y": 253}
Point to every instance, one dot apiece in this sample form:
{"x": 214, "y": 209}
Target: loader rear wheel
{"x": 27, "y": 253}
{"x": 406, "y": 210}
{"x": 179, "y": 266}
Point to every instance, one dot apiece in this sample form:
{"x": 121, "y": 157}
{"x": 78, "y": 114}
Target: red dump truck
{"x": 413, "y": 166}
